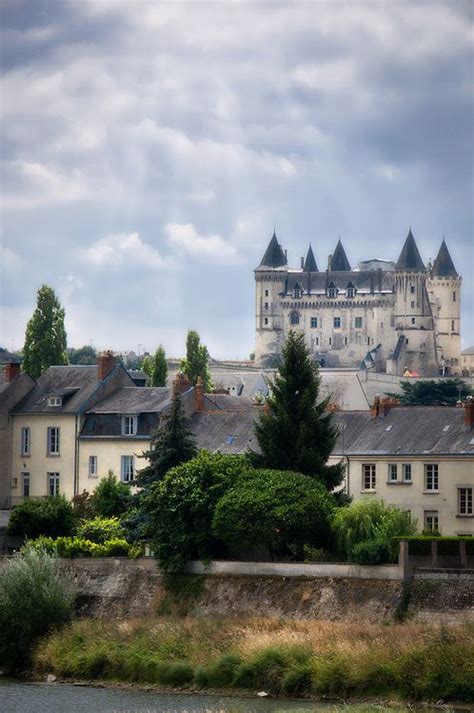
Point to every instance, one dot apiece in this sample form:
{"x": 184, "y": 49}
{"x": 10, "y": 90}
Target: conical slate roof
{"x": 340, "y": 263}
{"x": 443, "y": 265}
{"x": 410, "y": 258}
{"x": 310, "y": 262}
{"x": 274, "y": 255}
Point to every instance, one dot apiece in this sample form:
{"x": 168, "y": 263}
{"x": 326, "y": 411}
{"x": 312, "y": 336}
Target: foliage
{"x": 371, "y": 552}
{"x": 34, "y": 599}
{"x": 82, "y": 547}
{"x": 160, "y": 368}
{"x": 147, "y": 367}
{"x": 444, "y": 392}
{"x": 100, "y": 529}
{"x": 294, "y": 432}
{"x": 181, "y": 507}
{"x": 45, "y": 338}
{"x": 279, "y": 510}
{"x": 171, "y": 445}
{"x": 111, "y": 497}
{"x": 83, "y": 505}
{"x": 369, "y": 520}
{"x": 85, "y": 355}
{"x": 421, "y": 544}
{"x": 51, "y": 515}
{"x": 196, "y": 362}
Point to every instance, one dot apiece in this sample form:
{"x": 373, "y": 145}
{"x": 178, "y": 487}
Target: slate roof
{"x": 405, "y": 430}
{"x": 410, "y": 258}
{"x": 468, "y": 351}
{"x": 274, "y": 255}
{"x": 339, "y": 262}
{"x": 74, "y": 383}
{"x": 367, "y": 281}
{"x": 310, "y": 262}
{"x": 109, "y": 425}
{"x": 225, "y": 431}
{"x": 443, "y": 266}
{"x": 135, "y": 399}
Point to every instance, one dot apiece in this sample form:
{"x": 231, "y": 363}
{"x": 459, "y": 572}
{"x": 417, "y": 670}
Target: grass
{"x": 295, "y": 658}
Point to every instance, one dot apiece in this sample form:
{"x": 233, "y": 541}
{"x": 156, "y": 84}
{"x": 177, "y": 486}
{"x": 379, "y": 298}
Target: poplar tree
{"x": 295, "y": 432}
{"x": 160, "y": 368}
{"x": 147, "y": 367}
{"x": 171, "y": 444}
{"x": 45, "y": 338}
{"x": 196, "y": 362}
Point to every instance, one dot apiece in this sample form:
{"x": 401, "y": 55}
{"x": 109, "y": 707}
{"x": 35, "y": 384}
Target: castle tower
{"x": 270, "y": 277}
{"x": 413, "y": 317}
{"x": 444, "y": 287}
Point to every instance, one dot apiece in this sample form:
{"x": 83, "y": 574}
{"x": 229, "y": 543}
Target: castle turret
{"x": 339, "y": 261}
{"x": 444, "y": 287}
{"x": 310, "y": 262}
{"x": 270, "y": 277}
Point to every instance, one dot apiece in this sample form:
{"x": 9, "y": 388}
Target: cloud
{"x": 10, "y": 260}
{"x": 187, "y": 240}
{"x": 122, "y": 250}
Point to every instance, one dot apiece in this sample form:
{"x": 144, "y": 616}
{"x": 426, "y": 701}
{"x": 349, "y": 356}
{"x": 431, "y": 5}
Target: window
{"x": 413, "y": 304}
{"x": 465, "y": 501}
{"x": 55, "y": 401}
{"x": 129, "y": 425}
{"x": 358, "y": 323}
{"x": 452, "y": 325}
{"x": 406, "y": 340}
{"x": 92, "y": 466}
{"x": 294, "y": 318}
{"x": 332, "y": 292}
{"x": 314, "y": 322}
{"x": 297, "y": 292}
{"x": 392, "y": 472}
{"x": 413, "y": 320}
{"x": 266, "y": 293}
{"x": 127, "y": 469}
{"x": 266, "y": 305}
{"x": 330, "y": 341}
{"x": 337, "y": 322}
{"x": 368, "y": 341}
{"x": 53, "y": 441}
{"x": 351, "y": 292}
{"x": 412, "y": 289}
{"x": 25, "y": 441}
{"x": 53, "y": 483}
{"x": 345, "y": 341}
{"x": 454, "y": 297}
{"x": 25, "y": 485}
{"x": 368, "y": 472}
{"x": 430, "y": 520}
{"x": 265, "y": 320}
{"x": 431, "y": 477}
{"x": 406, "y": 472}
{"x": 317, "y": 341}
{"x": 230, "y": 440}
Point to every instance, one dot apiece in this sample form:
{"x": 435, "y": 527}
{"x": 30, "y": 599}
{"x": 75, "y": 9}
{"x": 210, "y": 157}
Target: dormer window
{"x": 350, "y": 292}
{"x": 332, "y": 291}
{"x": 297, "y": 291}
{"x": 129, "y": 425}
{"x": 55, "y": 401}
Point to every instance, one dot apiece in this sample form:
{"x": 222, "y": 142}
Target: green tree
{"x": 181, "y": 507}
{"x": 171, "y": 444}
{"x": 85, "y": 355}
{"x": 111, "y": 497}
{"x": 196, "y": 362}
{"x": 51, "y": 515}
{"x": 279, "y": 510}
{"x": 45, "y": 339}
{"x": 294, "y": 431}
{"x": 147, "y": 367}
{"x": 160, "y": 368}
{"x": 444, "y": 392}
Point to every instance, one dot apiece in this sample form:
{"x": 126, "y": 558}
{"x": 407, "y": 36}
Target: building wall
{"x": 109, "y": 453}
{"x": 445, "y": 295}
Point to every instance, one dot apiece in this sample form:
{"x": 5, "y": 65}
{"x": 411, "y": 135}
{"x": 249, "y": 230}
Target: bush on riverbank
{"x": 81, "y": 547}
{"x": 327, "y": 659}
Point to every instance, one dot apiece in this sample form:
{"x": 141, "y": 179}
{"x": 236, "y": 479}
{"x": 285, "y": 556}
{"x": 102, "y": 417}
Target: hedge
{"x": 421, "y": 544}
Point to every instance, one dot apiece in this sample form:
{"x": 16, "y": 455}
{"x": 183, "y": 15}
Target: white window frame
{"x": 25, "y": 480}
{"x": 129, "y": 425}
{"x": 429, "y": 518}
{"x": 358, "y": 323}
{"x": 127, "y": 468}
{"x": 53, "y": 483}
{"x": 314, "y": 322}
{"x": 369, "y": 477}
{"x": 406, "y": 468}
{"x": 92, "y": 467}
{"x": 25, "y": 441}
{"x": 55, "y": 401}
{"x": 392, "y": 470}
{"x": 465, "y": 501}
{"x": 431, "y": 478}
{"x": 53, "y": 442}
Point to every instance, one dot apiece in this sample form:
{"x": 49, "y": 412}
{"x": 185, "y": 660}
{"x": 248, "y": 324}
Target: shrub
{"x": 33, "y": 600}
{"x": 221, "y": 673}
{"x": 52, "y": 515}
{"x": 370, "y": 552}
{"x": 100, "y": 529}
{"x": 298, "y": 680}
{"x": 81, "y": 547}
{"x": 111, "y": 497}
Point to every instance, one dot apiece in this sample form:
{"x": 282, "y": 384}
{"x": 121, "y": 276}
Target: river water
{"x": 18, "y": 697}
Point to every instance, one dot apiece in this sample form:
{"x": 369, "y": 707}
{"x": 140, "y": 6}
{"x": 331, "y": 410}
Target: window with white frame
{"x": 129, "y": 425}
{"x": 337, "y": 322}
{"x": 465, "y": 501}
{"x": 350, "y": 292}
{"x": 369, "y": 476}
{"x": 55, "y": 401}
{"x": 392, "y": 472}
{"x": 25, "y": 485}
{"x": 25, "y": 441}
{"x": 332, "y": 292}
{"x": 358, "y": 322}
{"x": 53, "y": 441}
{"x": 314, "y": 322}
{"x": 53, "y": 483}
{"x": 430, "y": 520}
{"x": 431, "y": 477}
{"x": 406, "y": 472}
{"x": 127, "y": 468}
{"x": 92, "y": 466}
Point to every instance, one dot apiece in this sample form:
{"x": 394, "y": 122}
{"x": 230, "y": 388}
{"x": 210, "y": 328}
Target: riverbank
{"x": 325, "y": 660}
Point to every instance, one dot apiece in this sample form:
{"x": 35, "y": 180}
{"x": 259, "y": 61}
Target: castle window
{"x": 266, "y": 320}
{"x": 266, "y": 293}
{"x": 297, "y": 292}
{"x": 330, "y": 341}
{"x": 454, "y": 297}
{"x": 358, "y": 323}
{"x": 413, "y": 304}
{"x": 317, "y": 341}
{"x": 412, "y": 289}
{"x": 345, "y": 341}
{"x": 294, "y": 318}
{"x": 452, "y": 325}
{"x": 413, "y": 320}
{"x": 406, "y": 340}
{"x": 332, "y": 292}
{"x": 337, "y": 322}
{"x": 351, "y": 292}
{"x": 266, "y": 305}
{"x": 368, "y": 340}
{"x": 314, "y": 322}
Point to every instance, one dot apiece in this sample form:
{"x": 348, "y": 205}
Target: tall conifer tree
{"x": 45, "y": 339}
{"x": 296, "y": 432}
{"x": 160, "y": 368}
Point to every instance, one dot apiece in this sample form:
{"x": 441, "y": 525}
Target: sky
{"x": 150, "y": 148}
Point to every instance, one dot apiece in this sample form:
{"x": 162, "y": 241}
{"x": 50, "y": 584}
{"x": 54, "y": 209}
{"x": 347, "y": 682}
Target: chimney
{"x": 375, "y": 408}
{"x": 12, "y": 370}
{"x": 181, "y": 383}
{"x": 199, "y": 395}
{"x": 469, "y": 412}
{"x": 386, "y": 405}
{"x": 286, "y": 255}
{"x": 105, "y": 364}
{"x": 302, "y": 262}
{"x": 329, "y": 263}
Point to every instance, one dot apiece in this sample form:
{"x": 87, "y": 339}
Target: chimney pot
{"x": 329, "y": 263}
{"x": 105, "y": 364}
{"x": 12, "y": 370}
{"x": 181, "y": 383}
{"x": 302, "y": 262}
{"x": 375, "y": 408}
{"x": 199, "y": 395}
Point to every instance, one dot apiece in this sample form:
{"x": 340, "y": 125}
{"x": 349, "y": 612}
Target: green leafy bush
{"x": 34, "y": 599}
{"x": 81, "y": 547}
{"x": 100, "y": 529}
{"x": 53, "y": 516}
{"x": 111, "y": 497}
{"x": 370, "y": 552}
{"x": 421, "y": 544}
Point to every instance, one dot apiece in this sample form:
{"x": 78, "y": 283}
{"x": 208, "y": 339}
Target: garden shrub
{"x": 80, "y": 547}
{"x": 99, "y": 529}
{"x": 52, "y": 516}
{"x": 111, "y": 497}
{"x": 371, "y": 552}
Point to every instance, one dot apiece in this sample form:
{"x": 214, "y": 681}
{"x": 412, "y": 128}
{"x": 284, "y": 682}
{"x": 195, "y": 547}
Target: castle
{"x": 387, "y": 316}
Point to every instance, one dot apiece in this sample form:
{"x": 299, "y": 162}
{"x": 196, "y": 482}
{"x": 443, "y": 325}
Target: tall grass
{"x": 330, "y": 660}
